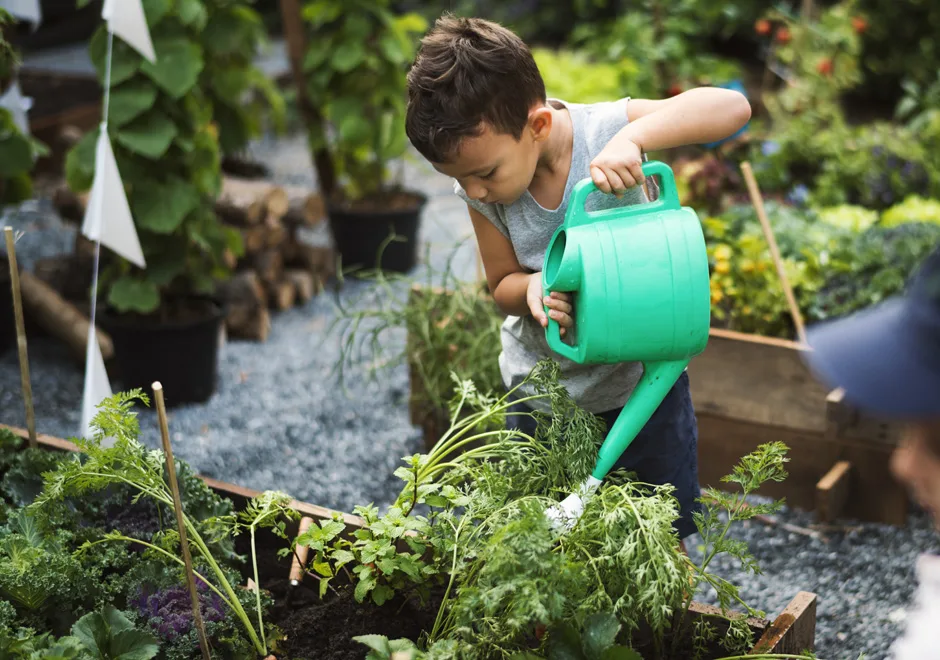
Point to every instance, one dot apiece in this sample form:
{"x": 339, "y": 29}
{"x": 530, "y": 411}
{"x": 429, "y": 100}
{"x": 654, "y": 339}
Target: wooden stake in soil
{"x": 21, "y": 338}
{"x": 178, "y": 509}
{"x": 300, "y": 554}
{"x": 758, "y": 202}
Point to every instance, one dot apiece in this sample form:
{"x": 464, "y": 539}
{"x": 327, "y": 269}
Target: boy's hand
{"x": 618, "y": 167}
{"x": 559, "y": 304}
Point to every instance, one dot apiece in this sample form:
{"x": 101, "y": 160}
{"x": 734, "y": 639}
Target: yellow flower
{"x": 722, "y": 267}
{"x": 723, "y": 252}
{"x": 716, "y": 296}
{"x": 747, "y": 266}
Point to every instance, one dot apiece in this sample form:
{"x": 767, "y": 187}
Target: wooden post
{"x": 296, "y": 49}
{"x": 832, "y": 491}
{"x": 21, "y": 337}
{"x": 178, "y": 508}
{"x": 300, "y": 554}
{"x": 794, "y": 629}
{"x": 758, "y": 202}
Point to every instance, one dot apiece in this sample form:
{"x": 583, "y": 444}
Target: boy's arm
{"x": 515, "y": 291}
{"x": 696, "y": 116}
{"x": 507, "y": 280}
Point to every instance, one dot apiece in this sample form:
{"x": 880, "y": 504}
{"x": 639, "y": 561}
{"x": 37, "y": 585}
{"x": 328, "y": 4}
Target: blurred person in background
{"x": 886, "y": 359}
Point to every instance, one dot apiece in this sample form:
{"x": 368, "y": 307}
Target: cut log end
{"x": 246, "y": 300}
{"x": 305, "y": 208}
{"x": 247, "y": 202}
{"x": 282, "y": 295}
{"x": 303, "y": 283}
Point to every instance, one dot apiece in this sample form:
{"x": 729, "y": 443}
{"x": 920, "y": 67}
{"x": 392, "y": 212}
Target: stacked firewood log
{"x": 277, "y": 270}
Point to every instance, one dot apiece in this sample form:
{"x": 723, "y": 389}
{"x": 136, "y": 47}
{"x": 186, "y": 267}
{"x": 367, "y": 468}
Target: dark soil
{"x": 175, "y": 311}
{"x": 247, "y": 169}
{"x": 324, "y": 630}
{"x": 383, "y": 202}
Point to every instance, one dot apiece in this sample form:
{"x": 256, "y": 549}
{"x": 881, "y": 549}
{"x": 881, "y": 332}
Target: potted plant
{"x": 163, "y": 319}
{"x": 355, "y": 67}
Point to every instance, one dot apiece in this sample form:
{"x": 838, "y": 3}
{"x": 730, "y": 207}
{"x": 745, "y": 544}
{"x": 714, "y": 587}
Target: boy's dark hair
{"x": 469, "y": 71}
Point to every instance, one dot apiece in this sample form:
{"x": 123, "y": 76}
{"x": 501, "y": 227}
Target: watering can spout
{"x": 658, "y": 378}
{"x": 562, "y": 271}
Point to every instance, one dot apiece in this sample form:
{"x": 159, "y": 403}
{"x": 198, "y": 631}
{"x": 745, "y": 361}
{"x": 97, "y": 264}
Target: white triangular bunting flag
{"x": 127, "y": 20}
{"x": 97, "y": 385}
{"x": 108, "y": 216}
{"x": 27, "y": 10}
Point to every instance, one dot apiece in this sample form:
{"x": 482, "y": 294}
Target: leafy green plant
{"x": 470, "y": 520}
{"x": 128, "y": 463}
{"x": 167, "y": 151}
{"x": 110, "y": 635}
{"x": 920, "y": 106}
{"x": 577, "y": 76}
{"x": 232, "y": 35}
{"x": 451, "y": 326}
{"x": 38, "y": 575}
{"x": 913, "y": 209}
{"x": 874, "y": 267}
{"x": 665, "y": 42}
{"x": 355, "y": 65}
{"x": 898, "y": 46}
{"x": 747, "y": 295}
{"x": 20, "y": 151}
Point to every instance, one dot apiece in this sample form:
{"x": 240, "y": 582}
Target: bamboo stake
{"x": 758, "y": 202}
{"x": 21, "y": 338}
{"x": 300, "y": 554}
{"x": 178, "y": 508}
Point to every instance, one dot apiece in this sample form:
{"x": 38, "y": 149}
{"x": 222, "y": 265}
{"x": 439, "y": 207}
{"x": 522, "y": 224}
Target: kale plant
{"x": 128, "y": 463}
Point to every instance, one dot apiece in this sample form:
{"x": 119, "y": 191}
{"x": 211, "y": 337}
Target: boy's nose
{"x": 476, "y": 192}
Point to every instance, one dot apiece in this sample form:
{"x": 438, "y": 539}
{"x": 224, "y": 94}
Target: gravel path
{"x": 280, "y": 421}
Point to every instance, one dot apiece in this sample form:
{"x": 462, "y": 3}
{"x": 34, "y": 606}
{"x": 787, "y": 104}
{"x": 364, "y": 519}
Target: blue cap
{"x": 886, "y": 358}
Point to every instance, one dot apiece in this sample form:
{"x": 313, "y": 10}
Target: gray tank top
{"x": 529, "y": 227}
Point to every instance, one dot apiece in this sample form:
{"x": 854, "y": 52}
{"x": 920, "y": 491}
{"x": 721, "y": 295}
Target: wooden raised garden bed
{"x": 747, "y": 390}
{"x": 312, "y": 624}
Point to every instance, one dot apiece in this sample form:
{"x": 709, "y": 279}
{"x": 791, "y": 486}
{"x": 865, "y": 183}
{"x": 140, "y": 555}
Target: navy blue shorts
{"x": 664, "y": 452}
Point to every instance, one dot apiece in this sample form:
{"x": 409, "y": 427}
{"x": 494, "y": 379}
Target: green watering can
{"x": 640, "y": 279}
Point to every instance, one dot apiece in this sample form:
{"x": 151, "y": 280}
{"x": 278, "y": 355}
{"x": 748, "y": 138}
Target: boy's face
{"x": 494, "y": 168}
{"x": 916, "y": 463}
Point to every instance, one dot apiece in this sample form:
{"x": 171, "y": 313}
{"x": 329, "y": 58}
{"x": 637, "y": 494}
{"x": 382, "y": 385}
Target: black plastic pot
{"x": 182, "y": 355}
{"x": 359, "y": 235}
{"x": 7, "y": 313}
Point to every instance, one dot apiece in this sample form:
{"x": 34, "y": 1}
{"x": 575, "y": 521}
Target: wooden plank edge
{"x": 794, "y": 629}
{"x": 701, "y": 610}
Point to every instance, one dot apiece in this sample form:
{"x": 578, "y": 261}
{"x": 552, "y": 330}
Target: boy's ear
{"x": 540, "y": 123}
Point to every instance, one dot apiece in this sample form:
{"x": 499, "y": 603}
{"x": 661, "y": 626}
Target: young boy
{"x": 478, "y": 112}
{"x": 887, "y": 361}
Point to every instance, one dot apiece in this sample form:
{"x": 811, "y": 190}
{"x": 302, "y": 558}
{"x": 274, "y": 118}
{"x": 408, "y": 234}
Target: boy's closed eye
{"x": 489, "y": 175}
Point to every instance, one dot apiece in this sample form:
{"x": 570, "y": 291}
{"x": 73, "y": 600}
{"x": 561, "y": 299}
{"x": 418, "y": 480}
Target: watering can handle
{"x": 560, "y": 347}
{"x": 668, "y": 198}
